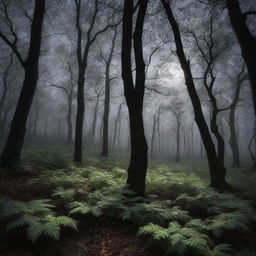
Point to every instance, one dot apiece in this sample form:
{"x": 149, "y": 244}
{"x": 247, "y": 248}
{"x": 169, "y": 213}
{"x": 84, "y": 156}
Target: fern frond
{"x": 221, "y": 249}
{"x": 66, "y": 194}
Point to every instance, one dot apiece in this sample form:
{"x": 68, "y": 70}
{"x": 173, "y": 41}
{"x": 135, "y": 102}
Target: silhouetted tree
{"x": 134, "y": 93}
{"x": 12, "y": 150}
{"x": 82, "y": 51}
{"x": 246, "y": 40}
{"x": 217, "y": 170}
{"x": 241, "y": 77}
{"x": 108, "y": 79}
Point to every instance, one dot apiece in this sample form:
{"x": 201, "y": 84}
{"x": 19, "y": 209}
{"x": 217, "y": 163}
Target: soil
{"x": 95, "y": 237}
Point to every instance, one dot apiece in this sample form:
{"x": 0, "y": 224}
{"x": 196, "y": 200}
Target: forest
{"x": 127, "y": 128}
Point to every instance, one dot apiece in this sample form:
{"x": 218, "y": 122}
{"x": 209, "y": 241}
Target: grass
{"x": 180, "y": 214}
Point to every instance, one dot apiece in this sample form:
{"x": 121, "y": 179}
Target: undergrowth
{"x": 180, "y": 214}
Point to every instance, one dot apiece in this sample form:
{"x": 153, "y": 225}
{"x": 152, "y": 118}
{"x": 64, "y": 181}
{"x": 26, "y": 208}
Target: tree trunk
{"x": 35, "y": 121}
{"x": 69, "y": 120}
{"x": 134, "y": 94}
{"x": 3, "y": 128}
{"x": 12, "y": 150}
{"x": 153, "y": 136}
{"x": 107, "y": 97}
{"x": 6, "y": 74}
{"x": 117, "y": 120}
{"x": 95, "y": 117}
{"x": 217, "y": 171}
{"x": 79, "y": 117}
{"x": 233, "y": 140}
{"x": 138, "y": 162}
{"x": 246, "y": 40}
{"x": 177, "y": 158}
{"x": 252, "y": 153}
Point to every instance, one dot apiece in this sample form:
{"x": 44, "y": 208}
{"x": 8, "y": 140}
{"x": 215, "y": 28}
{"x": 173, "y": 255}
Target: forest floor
{"x": 180, "y": 215}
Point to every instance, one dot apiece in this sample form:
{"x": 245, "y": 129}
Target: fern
{"x": 221, "y": 250}
{"x": 176, "y": 239}
{"x": 37, "y": 216}
{"x": 228, "y": 221}
{"x": 66, "y": 194}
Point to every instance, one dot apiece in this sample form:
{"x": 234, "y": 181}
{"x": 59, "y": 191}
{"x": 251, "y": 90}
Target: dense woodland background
{"x": 128, "y": 127}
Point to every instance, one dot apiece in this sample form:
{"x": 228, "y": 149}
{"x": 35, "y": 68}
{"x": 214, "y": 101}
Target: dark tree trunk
{"x": 4, "y": 122}
{"x": 177, "y": 158}
{"x": 12, "y": 150}
{"x": 117, "y": 121}
{"x": 233, "y": 140}
{"x": 159, "y": 134}
{"x": 134, "y": 94}
{"x": 246, "y": 40}
{"x": 217, "y": 170}
{"x": 69, "y": 121}
{"x": 35, "y": 121}
{"x": 252, "y": 153}
{"x": 95, "y": 117}
{"x": 6, "y": 74}
{"x": 70, "y": 105}
{"x": 119, "y": 133}
{"x": 82, "y": 58}
{"x": 107, "y": 97}
{"x": 233, "y": 136}
{"x": 153, "y": 136}
{"x": 79, "y": 116}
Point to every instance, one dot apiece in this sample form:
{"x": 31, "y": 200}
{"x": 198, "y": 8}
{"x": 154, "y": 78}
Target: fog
{"x": 167, "y": 104}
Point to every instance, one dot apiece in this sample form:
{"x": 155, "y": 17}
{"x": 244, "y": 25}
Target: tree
{"x": 210, "y": 55}
{"x": 176, "y": 109}
{"x": 82, "y": 59}
{"x": 134, "y": 93}
{"x": 117, "y": 122}
{"x": 155, "y": 129}
{"x": 12, "y": 150}
{"x": 108, "y": 79}
{"x": 96, "y": 97}
{"x": 246, "y": 41}
{"x": 241, "y": 77}
{"x": 68, "y": 90}
{"x": 250, "y": 146}
{"x": 6, "y": 87}
{"x": 217, "y": 170}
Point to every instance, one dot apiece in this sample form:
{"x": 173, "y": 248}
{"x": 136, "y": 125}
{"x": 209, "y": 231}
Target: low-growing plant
{"x": 178, "y": 240}
{"x": 37, "y": 216}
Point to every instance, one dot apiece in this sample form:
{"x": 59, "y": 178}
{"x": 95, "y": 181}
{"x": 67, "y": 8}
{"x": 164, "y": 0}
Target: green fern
{"x": 177, "y": 240}
{"x": 221, "y": 250}
{"x": 66, "y": 194}
{"x": 234, "y": 221}
{"x": 37, "y": 216}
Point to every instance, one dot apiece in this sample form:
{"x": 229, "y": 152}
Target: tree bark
{"x": 82, "y": 59}
{"x": 217, "y": 170}
{"x": 177, "y": 158}
{"x": 70, "y": 105}
{"x": 117, "y": 120}
{"x": 35, "y": 122}
{"x": 6, "y": 75}
{"x": 12, "y": 150}
{"x": 246, "y": 41}
{"x": 134, "y": 94}
{"x": 105, "y": 143}
{"x": 233, "y": 141}
{"x": 153, "y": 135}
